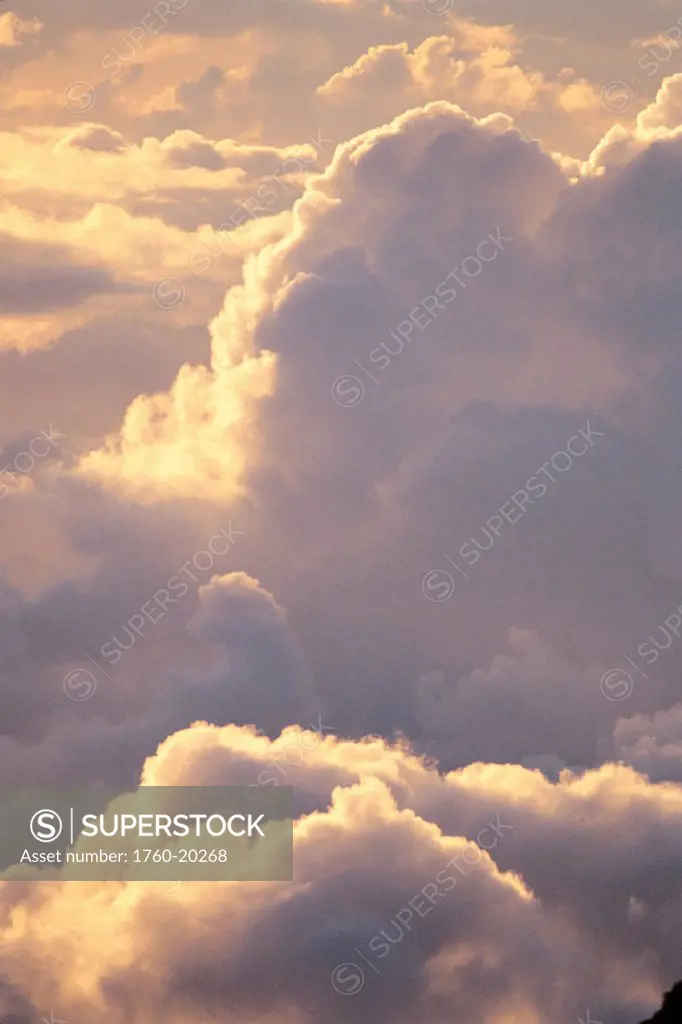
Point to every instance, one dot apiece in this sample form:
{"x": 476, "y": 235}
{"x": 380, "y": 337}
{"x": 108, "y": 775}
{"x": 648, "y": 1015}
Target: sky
{"x": 340, "y": 435}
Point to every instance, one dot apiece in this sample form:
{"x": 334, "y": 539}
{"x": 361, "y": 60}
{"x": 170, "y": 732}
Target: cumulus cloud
{"x": 652, "y": 743}
{"x": 509, "y": 372}
{"x": 353, "y": 280}
{"x": 246, "y": 660}
{"x": 416, "y": 872}
{"x": 290, "y": 270}
{"x": 469, "y": 69}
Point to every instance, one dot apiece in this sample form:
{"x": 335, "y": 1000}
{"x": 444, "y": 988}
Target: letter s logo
{"x": 46, "y": 826}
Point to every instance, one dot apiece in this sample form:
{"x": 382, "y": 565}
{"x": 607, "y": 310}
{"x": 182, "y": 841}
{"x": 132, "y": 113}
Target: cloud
{"x": 121, "y": 230}
{"x": 666, "y": 111}
{"x": 246, "y": 660}
{"x": 442, "y": 67}
{"x": 431, "y": 570}
{"x": 280, "y": 268}
{"x": 386, "y": 835}
{"x": 13, "y": 29}
{"x": 652, "y": 743}
{"x": 43, "y": 279}
{"x": 459, "y": 412}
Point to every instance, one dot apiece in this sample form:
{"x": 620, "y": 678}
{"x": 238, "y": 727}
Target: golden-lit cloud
{"x": 388, "y": 295}
{"x": 14, "y": 29}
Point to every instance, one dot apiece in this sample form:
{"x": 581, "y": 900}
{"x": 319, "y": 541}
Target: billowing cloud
{"x": 355, "y": 328}
{"x": 402, "y": 878}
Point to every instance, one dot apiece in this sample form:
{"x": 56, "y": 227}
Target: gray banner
{"x": 156, "y": 833}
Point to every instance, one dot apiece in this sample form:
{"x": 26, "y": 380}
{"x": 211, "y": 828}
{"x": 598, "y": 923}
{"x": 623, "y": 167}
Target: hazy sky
{"x": 340, "y": 374}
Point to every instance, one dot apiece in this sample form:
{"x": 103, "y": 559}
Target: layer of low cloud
{"x": 375, "y": 833}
